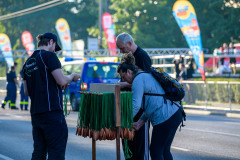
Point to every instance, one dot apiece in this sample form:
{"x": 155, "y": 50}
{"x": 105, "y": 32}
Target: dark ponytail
{"x": 42, "y": 41}
{"x": 127, "y": 62}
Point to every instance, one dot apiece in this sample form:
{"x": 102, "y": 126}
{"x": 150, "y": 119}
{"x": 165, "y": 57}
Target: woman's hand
{"x": 137, "y": 125}
{"x": 124, "y": 85}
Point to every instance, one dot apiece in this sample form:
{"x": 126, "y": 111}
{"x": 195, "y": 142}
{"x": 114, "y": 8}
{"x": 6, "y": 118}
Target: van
{"x": 91, "y": 72}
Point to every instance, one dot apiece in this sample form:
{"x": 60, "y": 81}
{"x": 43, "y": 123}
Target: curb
{"x": 231, "y": 114}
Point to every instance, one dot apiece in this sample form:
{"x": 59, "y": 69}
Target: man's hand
{"x": 76, "y": 76}
{"x": 63, "y": 80}
{"x": 137, "y": 125}
{"x": 64, "y": 87}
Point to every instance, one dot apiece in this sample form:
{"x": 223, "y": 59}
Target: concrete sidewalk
{"x": 203, "y": 110}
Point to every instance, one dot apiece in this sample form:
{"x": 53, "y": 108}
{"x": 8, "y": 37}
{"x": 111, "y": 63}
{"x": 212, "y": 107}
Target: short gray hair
{"x": 125, "y": 38}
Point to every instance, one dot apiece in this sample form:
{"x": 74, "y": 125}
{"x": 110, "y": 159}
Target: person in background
{"x": 224, "y": 50}
{"x": 182, "y": 74}
{"x": 190, "y": 69}
{"x": 177, "y": 61}
{"x": 44, "y": 82}
{"x": 164, "y": 115}
{"x": 15, "y": 65}
{"x": 12, "y": 84}
{"x": 24, "y": 98}
{"x": 140, "y": 143}
{"x": 232, "y": 64}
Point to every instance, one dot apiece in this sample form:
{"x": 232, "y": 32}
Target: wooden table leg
{"x": 118, "y": 143}
{"x": 93, "y": 149}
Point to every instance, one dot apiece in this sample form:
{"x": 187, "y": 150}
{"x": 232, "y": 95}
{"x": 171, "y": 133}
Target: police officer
{"x": 24, "y": 98}
{"x": 43, "y": 82}
{"x": 12, "y": 84}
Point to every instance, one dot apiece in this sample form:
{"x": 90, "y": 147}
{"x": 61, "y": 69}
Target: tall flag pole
{"x": 27, "y": 41}
{"x": 63, "y": 30}
{"x": 108, "y": 28}
{"x": 186, "y": 18}
{"x": 5, "y": 47}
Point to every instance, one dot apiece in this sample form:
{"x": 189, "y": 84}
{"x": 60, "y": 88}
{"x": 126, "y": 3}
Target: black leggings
{"x": 162, "y": 137}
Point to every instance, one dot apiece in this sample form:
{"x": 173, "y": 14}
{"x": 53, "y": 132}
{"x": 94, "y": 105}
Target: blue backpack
{"x": 174, "y": 90}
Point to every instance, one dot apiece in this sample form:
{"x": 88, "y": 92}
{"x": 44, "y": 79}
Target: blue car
{"x": 91, "y": 72}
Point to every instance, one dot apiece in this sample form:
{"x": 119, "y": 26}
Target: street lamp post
{"x": 100, "y": 25}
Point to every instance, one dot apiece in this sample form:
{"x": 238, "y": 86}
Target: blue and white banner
{"x": 63, "y": 30}
{"x": 186, "y": 18}
{"x": 6, "y": 49}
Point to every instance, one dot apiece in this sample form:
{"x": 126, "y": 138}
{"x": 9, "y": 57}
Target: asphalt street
{"x": 205, "y": 137}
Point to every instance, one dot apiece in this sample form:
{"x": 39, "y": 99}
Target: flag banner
{"x": 63, "y": 30}
{"x": 108, "y": 28}
{"x": 186, "y": 18}
{"x": 27, "y": 41}
{"x": 6, "y": 49}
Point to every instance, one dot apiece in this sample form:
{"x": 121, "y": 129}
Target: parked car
{"x": 91, "y": 72}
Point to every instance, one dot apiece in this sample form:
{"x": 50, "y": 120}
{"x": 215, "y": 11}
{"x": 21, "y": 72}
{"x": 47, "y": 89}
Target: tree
{"x": 79, "y": 14}
{"x": 150, "y": 22}
{"x": 152, "y": 25}
{"x": 218, "y": 23}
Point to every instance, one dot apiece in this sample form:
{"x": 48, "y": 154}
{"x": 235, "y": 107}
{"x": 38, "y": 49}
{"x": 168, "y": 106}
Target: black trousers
{"x": 162, "y": 137}
{"x": 50, "y": 135}
{"x": 137, "y": 146}
{"x": 11, "y": 95}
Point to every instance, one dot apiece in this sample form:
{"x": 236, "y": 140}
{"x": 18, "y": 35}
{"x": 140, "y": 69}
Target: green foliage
{"x": 212, "y": 94}
{"x": 17, "y": 44}
{"x": 222, "y": 92}
{"x": 235, "y": 93}
{"x": 218, "y": 24}
{"x": 152, "y": 25}
{"x": 150, "y": 22}
{"x": 94, "y": 32}
{"x": 215, "y": 93}
{"x": 79, "y": 14}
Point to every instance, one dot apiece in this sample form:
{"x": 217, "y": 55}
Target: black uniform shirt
{"x": 42, "y": 88}
{"x": 143, "y": 62}
{"x": 10, "y": 77}
{"x": 142, "y": 59}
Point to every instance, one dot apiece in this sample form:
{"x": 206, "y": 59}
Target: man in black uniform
{"x": 139, "y": 146}
{"x": 12, "y": 84}
{"x": 24, "y": 98}
{"x": 126, "y": 45}
{"x": 43, "y": 82}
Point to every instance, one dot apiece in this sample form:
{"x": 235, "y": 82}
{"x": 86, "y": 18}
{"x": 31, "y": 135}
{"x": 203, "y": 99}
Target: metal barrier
{"x": 220, "y": 95}
{"x": 158, "y": 56}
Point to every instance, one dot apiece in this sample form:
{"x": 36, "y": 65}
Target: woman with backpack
{"x": 165, "y": 116}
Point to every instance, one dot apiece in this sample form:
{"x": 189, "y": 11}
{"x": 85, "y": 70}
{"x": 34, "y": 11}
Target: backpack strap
{"x": 181, "y": 108}
{"x": 153, "y": 94}
{"x": 165, "y": 101}
{"x": 183, "y": 114}
{"x": 141, "y": 73}
{"x": 156, "y": 94}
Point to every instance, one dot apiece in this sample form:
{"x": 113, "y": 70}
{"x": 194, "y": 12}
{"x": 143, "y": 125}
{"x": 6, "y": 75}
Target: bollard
{"x": 229, "y": 95}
